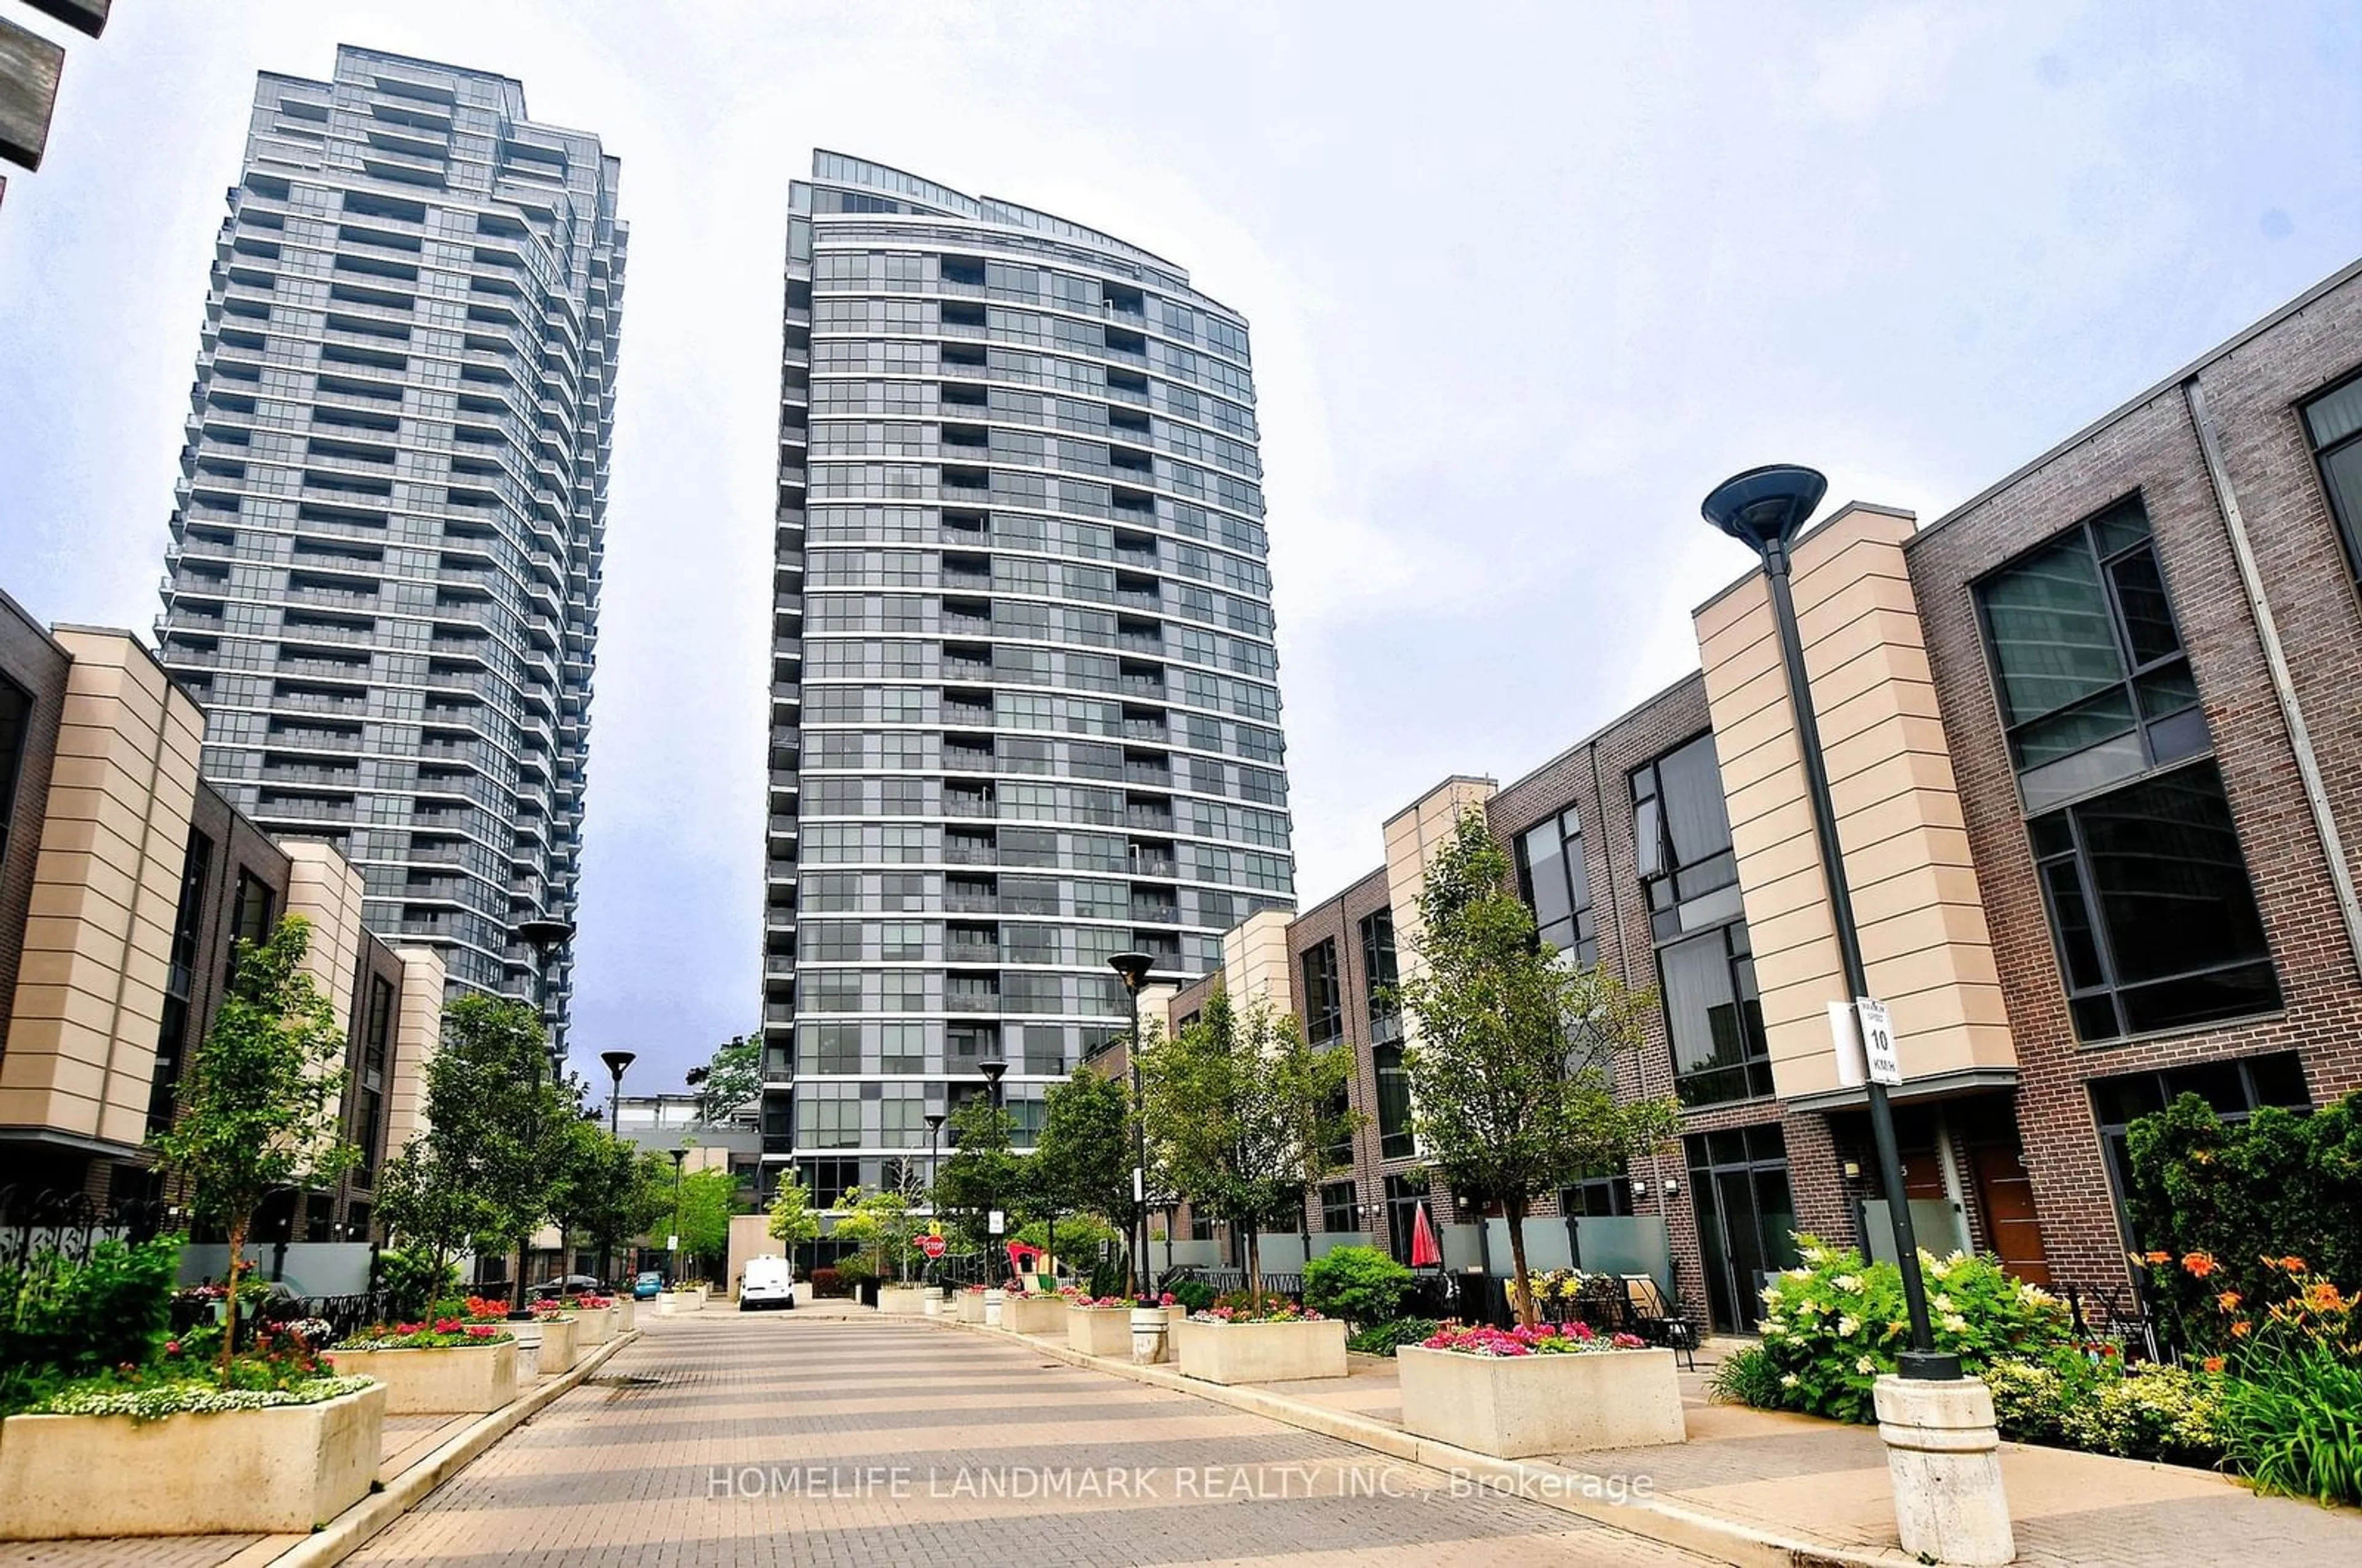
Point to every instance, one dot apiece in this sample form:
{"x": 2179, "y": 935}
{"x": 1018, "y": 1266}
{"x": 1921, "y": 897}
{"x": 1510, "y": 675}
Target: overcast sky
{"x": 1525, "y": 283}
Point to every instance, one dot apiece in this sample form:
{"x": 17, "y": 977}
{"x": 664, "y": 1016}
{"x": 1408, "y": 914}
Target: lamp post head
{"x": 678, "y": 1156}
{"x": 1133, "y": 968}
{"x": 993, "y": 1072}
{"x": 616, "y": 1062}
{"x": 1766, "y": 508}
{"x": 935, "y": 1121}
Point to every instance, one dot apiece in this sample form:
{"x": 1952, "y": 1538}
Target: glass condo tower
{"x": 1025, "y": 710}
{"x": 384, "y": 580}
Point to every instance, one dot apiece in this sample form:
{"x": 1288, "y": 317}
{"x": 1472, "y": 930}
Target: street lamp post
{"x": 935, "y": 1121}
{"x": 542, "y": 933}
{"x": 672, "y": 1252}
{"x": 1133, "y": 968}
{"x": 616, "y": 1062}
{"x": 1765, "y": 509}
{"x": 993, "y": 1071}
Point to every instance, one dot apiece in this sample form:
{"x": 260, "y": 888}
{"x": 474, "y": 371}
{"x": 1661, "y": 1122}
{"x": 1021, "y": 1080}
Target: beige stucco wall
{"x": 1255, "y": 965}
{"x": 1915, "y": 898}
{"x": 1413, "y": 835}
{"x": 322, "y": 886}
{"x": 417, "y": 1035}
{"x": 114, "y": 836}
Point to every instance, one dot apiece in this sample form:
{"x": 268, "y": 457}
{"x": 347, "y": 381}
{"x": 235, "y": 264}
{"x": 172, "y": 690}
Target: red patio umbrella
{"x": 1424, "y": 1253}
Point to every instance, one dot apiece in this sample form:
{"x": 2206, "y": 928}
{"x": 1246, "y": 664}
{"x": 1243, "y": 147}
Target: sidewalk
{"x": 1756, "y": 1487}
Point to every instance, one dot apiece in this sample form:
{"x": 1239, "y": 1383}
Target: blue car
{"x": 645, "y": 1287}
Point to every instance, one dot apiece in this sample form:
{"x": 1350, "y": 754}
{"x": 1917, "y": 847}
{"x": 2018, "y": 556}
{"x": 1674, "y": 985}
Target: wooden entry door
{"x": 2006, "y": 1193}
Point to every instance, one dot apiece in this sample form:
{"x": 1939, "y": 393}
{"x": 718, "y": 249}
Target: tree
{"x": 1082, "y": 1161}
{"x": 708, "y": 1198}
{"x": 498, "y": 1131}
{"x": 260, "y": 1110}
{"x": 596, "y": 1180}
{"x": 881, "y": 1222}
{"x": 982, "y": 1173}
{"x": 1246, "y": 1114}
{"x": 1513, "y": 1061}
{"x": 793, "y": 1222}
{"x": 732, "y": 1079}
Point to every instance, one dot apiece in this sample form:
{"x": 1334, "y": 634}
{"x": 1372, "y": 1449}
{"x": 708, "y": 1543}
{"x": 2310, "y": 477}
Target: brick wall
{"x": 2152, "y": 447}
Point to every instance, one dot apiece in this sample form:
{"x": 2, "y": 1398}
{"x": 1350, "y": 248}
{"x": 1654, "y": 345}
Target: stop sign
{"x": 931, "y": 1246}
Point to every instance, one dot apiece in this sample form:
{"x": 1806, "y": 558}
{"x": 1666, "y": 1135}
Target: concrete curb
{"x": 350, "y": 1531}
{"x": 1576, "y": 1492}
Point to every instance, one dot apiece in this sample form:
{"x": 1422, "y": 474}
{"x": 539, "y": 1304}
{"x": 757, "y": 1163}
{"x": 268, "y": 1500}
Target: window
{"x": 2151, "y": 909}
{"x": 1682, "y": 835}
{"x": 1746, "y": 1218}
{"x": 2235, "y": 1089}
{"x": 2334, "y": 421}
{"x": 15, "y": 723}
{"x": 1378, "y": 969}
{"x": 1324, "y": 1008}
{"x": 172, "y": 1032}
{"x": 1337, "y": 1205}
{"x": 1395, "y": 1138}
{"x": 1714, "y": 1018}
{"x": 1556, "y": 885}
{"x": 2095, "y": 686}
{"x": 831, "y": 1180}
{"x": 836, "y": 1047}
{"x": 1599, "y": 1194}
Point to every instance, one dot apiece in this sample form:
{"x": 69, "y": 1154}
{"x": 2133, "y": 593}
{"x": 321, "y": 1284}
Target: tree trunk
{"x": 516, "y": 1300}
{"x": 1254, "y": 1265}
{"x": 1521, "y": 1289}
{"x": 229, "y": 1319}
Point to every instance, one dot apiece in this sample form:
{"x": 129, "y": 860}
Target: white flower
{"x": 1787, "y": 1380}
{"x": 1848, "y": 1326}
{"x": 1796, "y": 1274}
{"x": 1955, "y": 1323}
{"x": 1865, "y": 1365}
{"x": 2034, "y": 1293}
{"x": 1848, "y": 1282}
{"x": 1938, "y": 1268}
{"x": 1941, "y": 1302}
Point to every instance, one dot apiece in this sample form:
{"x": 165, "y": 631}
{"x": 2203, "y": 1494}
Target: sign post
{"x": 1878, "y": 1052}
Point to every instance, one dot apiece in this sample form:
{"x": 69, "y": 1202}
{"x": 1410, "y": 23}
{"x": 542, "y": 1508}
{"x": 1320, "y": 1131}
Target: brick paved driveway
{"x": 794, "y": 1438}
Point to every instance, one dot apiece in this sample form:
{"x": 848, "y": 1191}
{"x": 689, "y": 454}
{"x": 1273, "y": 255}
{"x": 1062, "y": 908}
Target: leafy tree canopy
{"x": 1513, "y": 1056}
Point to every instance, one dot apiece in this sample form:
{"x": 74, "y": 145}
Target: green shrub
{"x": 2291, "y": 1422}
{"x": 1385, "y": 1339}
{"x": 1835, "y": 1324}
{"x": 1746, "y": 1377}
{"x": 2240, "y": 1198}
{"x": 71, "y": 1320}
{"x": 1107, "y": 1278}
{"x": 1360, "y": 1284}
{"x": 415, "y": 1283}
{"x": 1194, "y": 1294}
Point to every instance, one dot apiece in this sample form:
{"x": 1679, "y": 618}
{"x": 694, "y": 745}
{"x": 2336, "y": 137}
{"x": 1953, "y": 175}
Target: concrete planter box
{"x": 593, "y": 1326}
{"x": 462, "y": 1380}
{"x": 550, "y": 1343}
{"x": 275, "y": 1472}
{"x": 1175, "y": 1317}
{"x": 968, "y": 1305}
{"x": 1259, "y": 1353}
{"x": 1513, "y": 1406}
{"x": 902, "y": 1300}
{"x": 673, "y": 1303}
{"x": 627, "y": 1315}
{"x": 995, "y": 1301}
{"x": 801, "y": 1292}
{"x": 1034, "y": 1315}
{"x": 1099, "y": 1331}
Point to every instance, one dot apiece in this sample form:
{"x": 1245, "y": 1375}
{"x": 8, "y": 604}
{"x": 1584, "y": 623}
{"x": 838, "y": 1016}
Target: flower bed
{"x": 189, "y": 1458}
{"x": 1239, "y": 1348}
{"x": 445, "y": 1368}
{"x": 1520, "y": 1392}
{"x": 1033, "y": 1314}
{"x": 594, "y": 1325}
{"x": 1101, "y": 1326}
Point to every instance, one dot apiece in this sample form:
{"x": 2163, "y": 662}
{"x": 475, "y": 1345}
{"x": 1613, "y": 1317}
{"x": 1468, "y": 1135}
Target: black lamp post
{"x": 672, "y": 1252}
{"x": 616, "y": 1062}
{"x": 1133, "y": 968}
{"x": 935, "y": 1121}
{"x": 1765, "y": 509}
{"x": 993, "y": 1071}
{"x": 544, "y": 933}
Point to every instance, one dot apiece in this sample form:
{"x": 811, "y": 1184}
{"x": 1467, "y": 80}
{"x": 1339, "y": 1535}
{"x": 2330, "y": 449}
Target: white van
{"x": 768, "y": 1282}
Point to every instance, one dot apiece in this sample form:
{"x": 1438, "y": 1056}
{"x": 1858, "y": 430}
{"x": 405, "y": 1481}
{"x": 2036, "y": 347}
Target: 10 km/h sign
{"x": 1878, "y": 1042}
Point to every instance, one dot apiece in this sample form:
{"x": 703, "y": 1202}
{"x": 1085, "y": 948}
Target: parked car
{"x": 647, "y": 1286}
{"x": 768, "y": 1282}
{"x": 567, "y": 1284}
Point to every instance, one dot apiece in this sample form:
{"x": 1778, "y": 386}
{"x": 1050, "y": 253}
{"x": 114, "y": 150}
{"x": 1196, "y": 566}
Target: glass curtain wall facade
{"x": 1025, "y": 710}
{"x": 384, "y": 580}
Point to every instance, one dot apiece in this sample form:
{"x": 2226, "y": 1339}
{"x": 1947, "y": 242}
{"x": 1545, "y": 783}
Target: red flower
{"x": 2199, "y": 1264}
